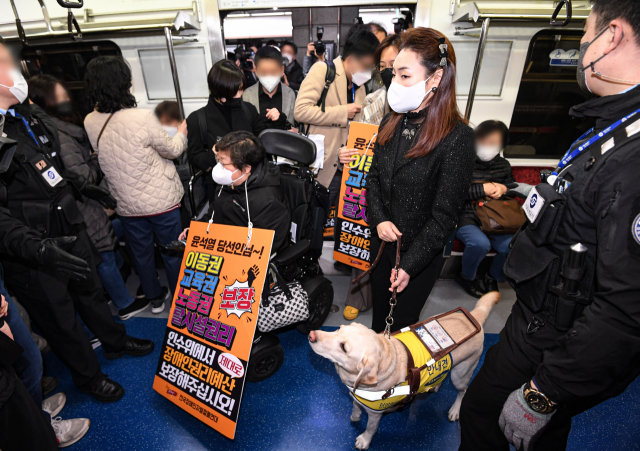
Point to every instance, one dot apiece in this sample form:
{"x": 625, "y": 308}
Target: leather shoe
{"x": 470, "y": 286}
{"x": 135, "y": 347}
{"x": 106, "y": 390}
{"x": 490, "y": 284}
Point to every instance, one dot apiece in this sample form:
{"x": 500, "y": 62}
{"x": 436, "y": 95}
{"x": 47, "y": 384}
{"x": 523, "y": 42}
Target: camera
{"x": 243, "y": 55}
{"x": 320, "y": 47}
{"x": 399, "y": 24}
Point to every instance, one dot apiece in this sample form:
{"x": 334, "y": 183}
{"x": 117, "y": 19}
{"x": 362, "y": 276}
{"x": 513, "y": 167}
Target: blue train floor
{"x": 302, "y": 407}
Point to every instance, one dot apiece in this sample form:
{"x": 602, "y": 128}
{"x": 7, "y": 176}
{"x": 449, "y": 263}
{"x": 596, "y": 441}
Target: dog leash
{"x": 392, "y": 299}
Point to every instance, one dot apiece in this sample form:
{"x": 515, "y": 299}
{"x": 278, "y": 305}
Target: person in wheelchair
{"x": 249, "y": 189}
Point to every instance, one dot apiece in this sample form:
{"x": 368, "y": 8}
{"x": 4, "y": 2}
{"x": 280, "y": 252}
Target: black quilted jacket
{"x": 497, "y": 170}
{"x": 422, "y": 196}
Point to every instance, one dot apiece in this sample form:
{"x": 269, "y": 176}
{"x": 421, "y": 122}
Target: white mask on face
{"x": 286, "y": 59}
{"x": 171, "y": 131}
{"x": 20, "y": 89}
{"x": 487, "y": 153}
{"x": 222, "y": 175}
{"x": 360, "y": 78}
{"x": 269, "y": 82}
{"x": 407, "y": 98}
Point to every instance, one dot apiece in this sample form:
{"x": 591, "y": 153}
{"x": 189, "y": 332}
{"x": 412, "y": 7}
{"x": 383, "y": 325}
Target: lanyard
{"x": 570, "y": 155}
{"x": 353, "y": 93}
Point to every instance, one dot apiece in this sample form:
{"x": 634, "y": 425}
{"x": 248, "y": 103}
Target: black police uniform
{"x": 41, "y": 197}
{"x": 584, "y": 352}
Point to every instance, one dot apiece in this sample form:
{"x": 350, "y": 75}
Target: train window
{"x": 492, "y": 72}
{"x": 192, "y": 73}
{"x": 541, "y": 126}
{"x": 67, "y": 62}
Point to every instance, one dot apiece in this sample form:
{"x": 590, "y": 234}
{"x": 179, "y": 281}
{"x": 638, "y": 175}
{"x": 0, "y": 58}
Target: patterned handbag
{"x": 283, "y": 305}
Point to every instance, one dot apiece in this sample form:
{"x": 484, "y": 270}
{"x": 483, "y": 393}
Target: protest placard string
{"x": 214, "y": 211}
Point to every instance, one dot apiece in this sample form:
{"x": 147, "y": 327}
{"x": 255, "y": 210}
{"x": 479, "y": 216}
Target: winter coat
{"x": 497, "y": 170}
{"x": 268, "y": 206}
{"x": 335, "y": 119}
{"x": 200, "y": 154}
{"x": 421, "y": 196}
{"x": 135, "y": 154}
{"x": 78, "y": 157}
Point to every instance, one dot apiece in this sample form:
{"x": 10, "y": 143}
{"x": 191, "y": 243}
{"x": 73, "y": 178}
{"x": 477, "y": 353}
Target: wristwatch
{"x": 538, "y": 401}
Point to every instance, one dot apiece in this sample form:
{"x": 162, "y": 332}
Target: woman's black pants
{"x": 410, "y": 300}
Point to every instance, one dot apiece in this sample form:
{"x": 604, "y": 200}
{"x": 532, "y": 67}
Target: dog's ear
{"x": 368, "y": 371}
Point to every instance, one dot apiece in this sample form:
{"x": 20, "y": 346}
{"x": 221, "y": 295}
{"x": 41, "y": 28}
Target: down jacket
{"x": 135, "y": 154}
{"x": 78, "y": 157}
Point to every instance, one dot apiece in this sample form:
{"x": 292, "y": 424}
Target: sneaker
{"x": 69, "y": 431}
{"x": 470, "y": 286}
{"x": 54, "y": 404}
{"x": 139, "y": 292}
{"x": 350, "y": 313}
{"x": 157, "y": 303}
{"x": 95, "y": 342}
{"x": 490, "y": 284}
{"x": 48, "y": 385}
{"x": 137, "y": 306}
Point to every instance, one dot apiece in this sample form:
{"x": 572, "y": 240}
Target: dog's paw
{"x": 454, "y": 412}
{"x": 355, "y": 418}
{"x": 362, "y": 442}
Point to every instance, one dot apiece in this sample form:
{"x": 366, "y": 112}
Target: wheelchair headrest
{"x": 289, "y": 145}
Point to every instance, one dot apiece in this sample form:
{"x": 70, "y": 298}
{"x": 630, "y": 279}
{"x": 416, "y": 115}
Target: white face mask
{"x": 286, "y": 59}
{"x": 360, "y": 78}
{"x": 487, "y": 153}
{"x": 222, "y": 175}
{"x": 20, "y": 89}
{"x": 171, "y": 131}
{"x": 407, "y": 98}
{"x": 269, "y": 82}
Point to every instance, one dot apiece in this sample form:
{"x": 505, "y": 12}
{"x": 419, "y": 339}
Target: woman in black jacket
{"x": 225, "y": 112}
{"x": 421, "y": 169}
{"x": 249, "y": 189}
{"x": 492, "y": 177}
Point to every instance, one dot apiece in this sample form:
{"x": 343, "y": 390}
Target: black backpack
{"x": 328, "y": 79}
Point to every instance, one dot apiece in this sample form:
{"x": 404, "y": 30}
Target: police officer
{"x": 573, "y": 338}
{"x": 41, "y": 195}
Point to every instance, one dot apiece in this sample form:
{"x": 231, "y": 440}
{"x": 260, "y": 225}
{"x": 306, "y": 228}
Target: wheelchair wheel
{"x": 320, "y": 301}
{"x": 265, "y": 363}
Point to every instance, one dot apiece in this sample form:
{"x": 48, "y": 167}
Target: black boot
{"x": 490, "y": 284}
{"x": 105, "y": 390}
{"x": 470, "y": 286}
{"x": 136, "y": 347}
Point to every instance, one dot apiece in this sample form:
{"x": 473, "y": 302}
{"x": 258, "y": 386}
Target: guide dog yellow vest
{"x": 429, "y": 377}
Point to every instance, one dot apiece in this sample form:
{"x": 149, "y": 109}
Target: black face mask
{"x": 233, "y": 103}
{"x": 64, "y": 109}
{"x": 387, "y": 77}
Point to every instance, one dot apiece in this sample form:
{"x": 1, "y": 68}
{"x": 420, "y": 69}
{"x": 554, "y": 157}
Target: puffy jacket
{"x": 77, "y": 156}
{"x": 497, "y": 170}
{"x": 135, "y": 154}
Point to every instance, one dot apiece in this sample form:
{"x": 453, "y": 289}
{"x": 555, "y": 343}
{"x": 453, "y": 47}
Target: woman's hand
{"x": 489, "y": 189}
{"x": 273, "y": 114}
{"x": 401, "y": 282}
{"x": 388, "y": 232}
{"x": 4, "y": 306}
{"x": 346, "y": 155}
{"x": 183, "y": 235}
{"x": 182, "y": 128}
{"x": 500, "y": 191}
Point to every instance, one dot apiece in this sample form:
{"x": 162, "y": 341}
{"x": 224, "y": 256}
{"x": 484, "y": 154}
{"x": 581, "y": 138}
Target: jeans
{"x": 477, "y": 246}
{"x": 29, "y": 364}
{"x": 140, "y": 234}
{"x": 112, "y": 281}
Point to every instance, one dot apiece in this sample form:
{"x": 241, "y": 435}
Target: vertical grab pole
{"x": 174, "y": 69}
{"x": 476, "y": 68}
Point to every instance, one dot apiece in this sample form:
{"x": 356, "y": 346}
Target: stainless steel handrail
{"x": 476, "y": 69}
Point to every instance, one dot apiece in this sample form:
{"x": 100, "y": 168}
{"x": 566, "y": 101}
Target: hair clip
{"x": 443, "y": 51}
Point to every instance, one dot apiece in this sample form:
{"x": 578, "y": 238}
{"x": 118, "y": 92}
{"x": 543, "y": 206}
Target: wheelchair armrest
{"x": 292, "y": 253}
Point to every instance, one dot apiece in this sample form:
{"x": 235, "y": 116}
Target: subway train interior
{"x": 513, "y": 66}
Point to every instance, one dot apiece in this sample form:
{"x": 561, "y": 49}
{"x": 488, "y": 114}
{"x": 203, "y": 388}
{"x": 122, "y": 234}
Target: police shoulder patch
{"x": 635, "y": 229}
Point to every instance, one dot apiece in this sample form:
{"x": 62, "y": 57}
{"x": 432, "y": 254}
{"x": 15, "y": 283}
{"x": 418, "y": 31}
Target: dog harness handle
{"x": 392, "y": 299}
